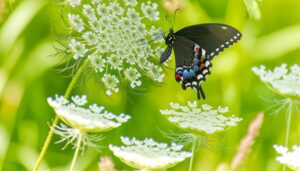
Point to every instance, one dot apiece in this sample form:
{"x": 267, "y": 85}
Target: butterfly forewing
{"x": 212, "y": 37}
{"x": 183, "y": 49}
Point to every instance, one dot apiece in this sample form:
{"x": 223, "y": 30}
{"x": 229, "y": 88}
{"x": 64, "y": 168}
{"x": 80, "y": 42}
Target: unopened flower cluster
{"x": 285, "y": 81}
{"x": 116, "y": 41}
{"x": 289, "y": 158}
{"x": 203, "y": 119}
{"x": 149, "y": 155}
{"x": 92, "y": 119}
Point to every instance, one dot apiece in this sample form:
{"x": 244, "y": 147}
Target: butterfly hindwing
{"x": 212, "y": 37}
{"x": 192, "y": 66}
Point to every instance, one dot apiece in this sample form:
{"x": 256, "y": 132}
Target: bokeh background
{"x": 29, "y": 73}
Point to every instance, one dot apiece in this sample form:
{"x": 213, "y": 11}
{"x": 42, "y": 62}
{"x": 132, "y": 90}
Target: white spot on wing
{"x": 199, "y": 76}
{"x": 207, "y": 63}
{"x": 224, "y": 27}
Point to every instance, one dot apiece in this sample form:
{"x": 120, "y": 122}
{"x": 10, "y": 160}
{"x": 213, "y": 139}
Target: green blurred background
{"x": 29, "y": 74}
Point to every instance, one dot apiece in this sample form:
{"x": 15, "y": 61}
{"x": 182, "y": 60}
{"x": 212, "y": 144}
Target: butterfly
{"x": 194, "y": 47}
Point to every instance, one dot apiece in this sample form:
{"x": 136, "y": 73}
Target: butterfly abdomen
{"x": 166, "y": 53}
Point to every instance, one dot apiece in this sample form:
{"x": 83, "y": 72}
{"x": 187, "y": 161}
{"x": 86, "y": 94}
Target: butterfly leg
{"x": 200, "y": 92}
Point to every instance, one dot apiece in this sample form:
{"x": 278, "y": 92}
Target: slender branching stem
{"x": 193, "y": 152}
{"x": 56, "y": 119}
{"x": 288, "y": 125}
{"x": 76, "y": 151}
{"x": 289, "y": 119}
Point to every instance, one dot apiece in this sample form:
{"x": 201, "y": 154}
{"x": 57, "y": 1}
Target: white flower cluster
{"x": 289, "y": 158}
{"x": 192, "y": 118}
{"x": 92, "y": 119}
{"x": 116, "y": 41}
{"x": 149, "y": 155}
{"x": 285, "y": 81}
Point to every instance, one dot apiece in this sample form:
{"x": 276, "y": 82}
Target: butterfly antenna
{"x": 175, "y": 16}
{"x": 169, "y": 20}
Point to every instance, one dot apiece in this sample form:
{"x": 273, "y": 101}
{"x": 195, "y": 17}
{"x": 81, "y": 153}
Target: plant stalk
{"x": 56, "y": 119}
{"x": 193, "y": 153}
{"x": 289, "y": 119}
{"x": 76, "y": 152}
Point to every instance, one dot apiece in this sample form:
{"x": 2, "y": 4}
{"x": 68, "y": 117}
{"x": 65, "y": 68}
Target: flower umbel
{"x": 204, "y": 119}
{"x": 149, "y": 155}
{"x": 289, "y": 158}
{"x": 284, "y": 81}
{"x": 91, "y": 119}
{"x": 116, "y": 41}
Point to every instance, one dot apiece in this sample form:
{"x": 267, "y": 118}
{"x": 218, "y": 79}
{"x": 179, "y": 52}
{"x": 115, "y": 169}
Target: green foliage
{"x": 28, "y": 75}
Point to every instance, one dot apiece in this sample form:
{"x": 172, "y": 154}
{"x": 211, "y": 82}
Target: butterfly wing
{"x": 183, "y": 49}
{"x": 191, "y": 65}
{"x": 212, "y": 37}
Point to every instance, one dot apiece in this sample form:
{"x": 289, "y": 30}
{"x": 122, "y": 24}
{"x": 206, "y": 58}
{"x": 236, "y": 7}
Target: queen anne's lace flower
{"x": 116, "y": 40}
{"x": 92, "y": 119}
{"x": 131, "y": 2}
{"x": 110, "y": 82}
{"x": 284, "y": 81}
{"x": 148, "y": 154}
{"x": 133, "y": 75}
{"x": 289, "y": 158}
{"x": 77, "y": 48}
{"x": 149, "y": 10}
{"x": 74, "y": 3}
{"x": 194, "y": 119}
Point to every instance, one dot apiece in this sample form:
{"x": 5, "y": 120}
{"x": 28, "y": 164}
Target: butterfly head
{"x": 170, "y": 39}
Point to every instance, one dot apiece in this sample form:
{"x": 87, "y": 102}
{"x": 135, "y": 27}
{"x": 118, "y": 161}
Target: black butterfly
{"x": 195, "y": 46}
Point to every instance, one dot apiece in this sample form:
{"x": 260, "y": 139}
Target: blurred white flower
{"x": 74, "y": 3}
{"x": 97, "y": 62}
{"x": 147, "y": 154}
{"x": 283, "y": 80}
{"x": 76, "y": 22}
{"x": 110, "y": 82}
{"x": 131, "y": 2}
{"x": 133, "y": 75}
{"x": 150, "y": 10}
{"x": 194, "y": 119}
{"x": 92, "y": 119}
{"x": 77, "y": 48}
{"x": 116, "y": 40}
{"x": 288, "y": 158}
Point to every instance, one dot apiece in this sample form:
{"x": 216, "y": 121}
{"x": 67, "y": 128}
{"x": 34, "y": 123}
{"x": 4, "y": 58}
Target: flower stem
{"x": 193, "y": 152}
{"x": 289, "y": 118}
{"x": 76, "y": 152}
{"x": 56, "y": 119}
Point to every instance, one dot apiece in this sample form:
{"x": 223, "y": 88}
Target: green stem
{"x": 289, "y": 118}
{"x": 193, "y": 152}
{"x": 76, "y": 152}
{"x": 56, "y": 119}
